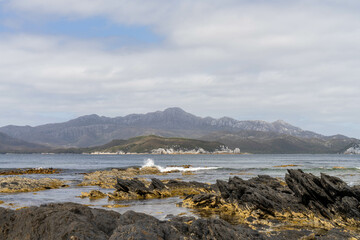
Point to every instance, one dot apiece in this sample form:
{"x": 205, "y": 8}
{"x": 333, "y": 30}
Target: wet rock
{"x": 330, "y": 196}
{"x": 57, "y": 221}
{"x": 93, "y": 194}
{"x": 302, "y": 201}
{"x": 20, "y": 184}
{"x": 141, "y": 226}
{"x": 75, "y": 221}
{"x": 108, "y": 178}
{"x": 307, "y": 187}
{"x": 187, "y": 173}
{"x": 156, "y": 184}
{"x": 127, "y": 189}
{"x": 133, "y": 185}
{"x": 115, "y": 206}
{"x": 30, "y": 171}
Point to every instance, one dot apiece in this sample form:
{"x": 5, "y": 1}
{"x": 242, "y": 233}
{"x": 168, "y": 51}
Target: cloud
{"x": 245, "y": 59}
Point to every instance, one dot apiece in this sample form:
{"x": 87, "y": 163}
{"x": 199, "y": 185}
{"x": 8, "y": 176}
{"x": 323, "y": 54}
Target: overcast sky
{"x": 298, "y": 61}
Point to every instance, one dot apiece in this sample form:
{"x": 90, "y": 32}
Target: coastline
{"x": 301, "y": 206}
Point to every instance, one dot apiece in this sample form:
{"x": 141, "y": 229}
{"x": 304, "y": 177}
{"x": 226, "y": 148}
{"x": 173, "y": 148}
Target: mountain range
{"x": 249, "y": 136}
{"x": 12, "y": 145}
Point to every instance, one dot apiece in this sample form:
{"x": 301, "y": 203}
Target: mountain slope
{"x": 12, "y": 145}
{"x": 145, "y": 144}
{"x": 261, "y": 142}
{"x": 92, "y": 130}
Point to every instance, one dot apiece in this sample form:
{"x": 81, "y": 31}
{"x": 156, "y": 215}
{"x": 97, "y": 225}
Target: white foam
{"x": 150, "y": 163}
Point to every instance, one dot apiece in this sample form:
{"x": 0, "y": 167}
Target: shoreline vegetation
{"x": 153, "y": 144}
{"x": 300, "y": 206}
{"x": 146, "y": 145}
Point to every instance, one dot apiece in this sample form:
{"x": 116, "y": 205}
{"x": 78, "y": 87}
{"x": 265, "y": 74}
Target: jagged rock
{"x": 335, "y": 186}
{"x": 303, "y": 201}
{"x": 307, "y": 187}
{"x": 156, "y": 184}
{"x": 205, "y": 200}
{"x": 134, "y": 189}
{"x": 329, "y": 195}
{"x": 131, "y": 186}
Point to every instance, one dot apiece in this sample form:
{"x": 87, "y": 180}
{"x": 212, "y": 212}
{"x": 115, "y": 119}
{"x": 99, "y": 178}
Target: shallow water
{"x": 207, "y": 168}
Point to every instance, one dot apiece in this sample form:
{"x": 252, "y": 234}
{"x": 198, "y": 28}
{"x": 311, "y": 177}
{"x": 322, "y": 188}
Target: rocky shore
{"x": 303, "y": 201}
{"x": 135, "y": 189}
{"x": 108, "y": 178}
{"x": 30, "y": 171}
{"x": 77, "y": 222}
{"x": 21, "y": 184}
{"x": 301, "y": 206}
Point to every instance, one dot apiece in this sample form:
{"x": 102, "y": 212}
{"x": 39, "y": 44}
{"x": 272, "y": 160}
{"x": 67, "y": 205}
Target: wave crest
{"x": 150, "y": 163}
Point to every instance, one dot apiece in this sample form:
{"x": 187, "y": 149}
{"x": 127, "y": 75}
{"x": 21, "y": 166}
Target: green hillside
{"x": 145, "y": 144}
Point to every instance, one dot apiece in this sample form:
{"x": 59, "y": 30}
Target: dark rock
{"x": 328, "y": 195}
{"x": 75, "y": 221}
{"x": 205, "y": 200}
{"x": 262, "y": 192}
{"x": 133, "y": 185}
{"x": 156, "y": 184}
{"x": 181, "y": 184}
{"x": 57, "y": 221}
{"x": 335, "y": 187}
{"x": 307, "y": 187}
{"x": 302, "y": 201}
{"x": 221, "y": 230}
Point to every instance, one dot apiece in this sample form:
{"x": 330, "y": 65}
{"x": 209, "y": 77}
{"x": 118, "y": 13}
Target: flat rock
{"x": 21, "y": 184}
{"x": 108, "y": 178}
{"x": 30, "y": 171}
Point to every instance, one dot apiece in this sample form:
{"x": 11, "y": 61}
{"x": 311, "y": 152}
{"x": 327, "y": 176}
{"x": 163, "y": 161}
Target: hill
{"x": 271, "y": 143}
{"x": 12, "y": 145}
{"x": 93, "y": 130}
{"x": 251, "y": 136}
{"x": 145, "y": 144}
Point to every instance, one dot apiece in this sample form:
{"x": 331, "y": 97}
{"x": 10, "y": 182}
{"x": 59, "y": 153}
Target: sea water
{"x": 206, "y": 168}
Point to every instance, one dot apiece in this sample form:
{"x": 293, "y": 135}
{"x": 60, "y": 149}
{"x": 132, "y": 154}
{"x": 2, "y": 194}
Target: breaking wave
{"x": 150, "y": 163}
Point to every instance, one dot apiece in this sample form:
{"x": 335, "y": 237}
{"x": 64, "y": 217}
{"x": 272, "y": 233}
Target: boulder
{"x": 75, "y": 221}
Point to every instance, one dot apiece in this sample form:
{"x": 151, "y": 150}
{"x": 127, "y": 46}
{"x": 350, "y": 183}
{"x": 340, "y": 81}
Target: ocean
{"x": 206, "y": 168}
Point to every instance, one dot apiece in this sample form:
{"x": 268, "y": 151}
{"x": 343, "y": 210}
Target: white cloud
{"x": 245, "y": 59}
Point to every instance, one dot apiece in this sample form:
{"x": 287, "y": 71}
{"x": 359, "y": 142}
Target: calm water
{"x": 207, "y": 168}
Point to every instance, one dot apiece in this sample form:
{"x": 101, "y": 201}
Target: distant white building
{"x": 353, "y": 150}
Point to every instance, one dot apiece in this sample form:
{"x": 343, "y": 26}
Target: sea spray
{"x": 150, "y": 163}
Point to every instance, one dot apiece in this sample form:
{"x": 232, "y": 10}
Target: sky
{"x": 298, "y": 61}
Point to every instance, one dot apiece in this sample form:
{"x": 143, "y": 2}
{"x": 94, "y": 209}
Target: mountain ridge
{"x": 94, "y": 130}
{"x": 12, "y": 145}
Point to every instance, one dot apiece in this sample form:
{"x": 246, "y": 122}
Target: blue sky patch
{"x": 85, "y": 28}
